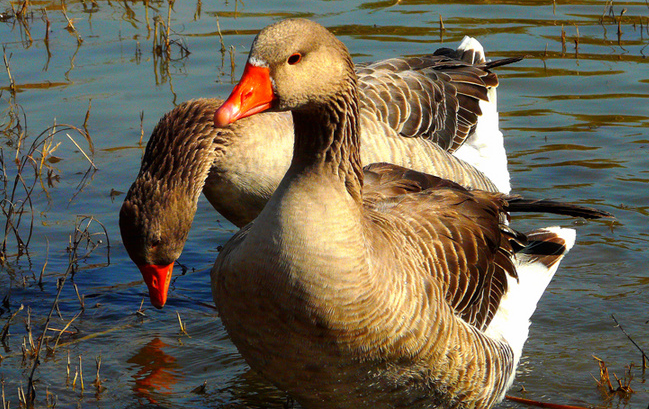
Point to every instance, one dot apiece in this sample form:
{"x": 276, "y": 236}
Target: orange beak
{"x": 253, "y": 94}
{"x": 157, "y": 278}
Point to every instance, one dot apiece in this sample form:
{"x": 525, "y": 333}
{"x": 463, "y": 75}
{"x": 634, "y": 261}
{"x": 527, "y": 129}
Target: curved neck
{"x": 182, "y": 148}
{"x": 327, "y": 139}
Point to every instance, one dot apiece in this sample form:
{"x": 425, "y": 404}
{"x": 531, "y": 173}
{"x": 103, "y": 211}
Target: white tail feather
{"x": 512, "y": 319}
{"x": 471, "y": 44}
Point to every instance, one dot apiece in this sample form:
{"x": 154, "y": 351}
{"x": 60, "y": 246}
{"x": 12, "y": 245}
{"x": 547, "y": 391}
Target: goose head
{"x": 288, "y": 70}
{"x": 154, "y": 242}
{"x": 158, "y": 209}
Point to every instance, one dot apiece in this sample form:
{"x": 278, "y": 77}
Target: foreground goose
{"x": 414, "y": 112}
{"x": 410, "y": 294}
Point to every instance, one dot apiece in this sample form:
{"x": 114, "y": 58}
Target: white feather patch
{"x": 511, "y": 322}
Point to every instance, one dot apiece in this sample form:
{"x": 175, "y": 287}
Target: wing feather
{"x": 434, "y": 96}
{"x": 465, "y": 247}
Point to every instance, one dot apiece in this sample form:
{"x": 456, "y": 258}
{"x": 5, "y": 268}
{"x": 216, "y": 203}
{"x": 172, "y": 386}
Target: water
{"x": 575, "y": 121}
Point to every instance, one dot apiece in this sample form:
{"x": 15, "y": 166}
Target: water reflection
{"x": 158, "y": 371}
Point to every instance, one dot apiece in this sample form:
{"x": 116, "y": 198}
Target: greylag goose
{"x": 414, "y": 112}
{"x": 412, "y": 294}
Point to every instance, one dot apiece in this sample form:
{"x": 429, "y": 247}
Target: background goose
{"x": 414, "y": 112}
{"x": 405, "y": 297}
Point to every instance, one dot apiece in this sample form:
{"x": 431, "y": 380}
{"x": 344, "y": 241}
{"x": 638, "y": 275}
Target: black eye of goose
{"x": 294, "y": 59}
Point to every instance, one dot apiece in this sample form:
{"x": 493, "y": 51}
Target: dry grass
{"x": 645, "y": 358}
{"x": 23, "y": 15}
{"x": 163, "y": 45}
{"x": 83, "y": 242}
{"x": 98, "y": 382}
{"x": 183, "y": 330}
{"x": 30, "y": 168}
{"x": 163, "y": 42}
{"x": 623, "y": 389}
{"x": 28, "y": 174}
{"x": 26, "y": 167}
{"x": 611, "y": 15}
{"x": 70, "y": 27}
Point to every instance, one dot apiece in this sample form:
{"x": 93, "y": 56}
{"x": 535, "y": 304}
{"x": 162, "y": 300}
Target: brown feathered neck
{"x": 327, "y": 137}
{"x": 159, "y": 207}
{"x": 182, "y": 147}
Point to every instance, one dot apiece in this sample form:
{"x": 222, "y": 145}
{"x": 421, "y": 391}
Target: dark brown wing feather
{"x": 470, "y": 249}
{"x": 467, "y": 250}
{"x": 544, "y": 246}
{"x": 384, "y": 180}
{"x": 521, "y": 205}
{"x": 435, "y": 96}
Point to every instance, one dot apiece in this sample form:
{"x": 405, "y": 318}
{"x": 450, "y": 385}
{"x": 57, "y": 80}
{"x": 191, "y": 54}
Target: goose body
{"x": 409, "y": 293}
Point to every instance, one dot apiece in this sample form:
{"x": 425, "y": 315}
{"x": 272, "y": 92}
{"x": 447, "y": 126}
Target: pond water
{"x": 575, "y": 117}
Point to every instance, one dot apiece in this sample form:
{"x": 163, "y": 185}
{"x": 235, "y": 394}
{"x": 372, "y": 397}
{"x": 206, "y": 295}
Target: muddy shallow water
{"x": 575, "y": 117}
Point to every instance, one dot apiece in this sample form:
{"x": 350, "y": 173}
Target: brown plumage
{"x": 405, "y": 296}
{"x": 435, "y": 97}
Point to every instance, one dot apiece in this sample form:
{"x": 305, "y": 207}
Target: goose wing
{"x": 435, "y": 96}
{"x": 469, "y": 250}
{"x": 464, "y": 248}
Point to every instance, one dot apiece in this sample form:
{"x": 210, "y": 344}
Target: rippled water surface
{"x": 575, "y": 116}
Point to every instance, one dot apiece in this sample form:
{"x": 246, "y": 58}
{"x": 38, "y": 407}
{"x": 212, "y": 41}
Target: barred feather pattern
{"x": 435, "y": 97}
{"x": 166, "y": 186}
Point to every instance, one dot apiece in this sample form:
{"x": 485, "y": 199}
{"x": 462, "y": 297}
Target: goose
{"x": 424, "y": 113}
{"x": 412, "y": 294}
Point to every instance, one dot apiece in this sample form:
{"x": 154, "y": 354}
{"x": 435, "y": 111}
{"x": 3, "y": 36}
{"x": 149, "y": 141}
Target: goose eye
{"x": 294, "y": 59}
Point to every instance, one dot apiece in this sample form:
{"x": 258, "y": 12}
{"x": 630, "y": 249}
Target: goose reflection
{"x": 158, "y": 371}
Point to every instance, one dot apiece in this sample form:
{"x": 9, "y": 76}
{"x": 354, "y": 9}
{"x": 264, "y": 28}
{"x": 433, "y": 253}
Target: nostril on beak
{"x": 244, "y": 97}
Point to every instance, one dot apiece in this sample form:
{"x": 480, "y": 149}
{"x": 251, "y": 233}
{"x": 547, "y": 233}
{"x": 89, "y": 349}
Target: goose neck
{"x": 327, "y": 140}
